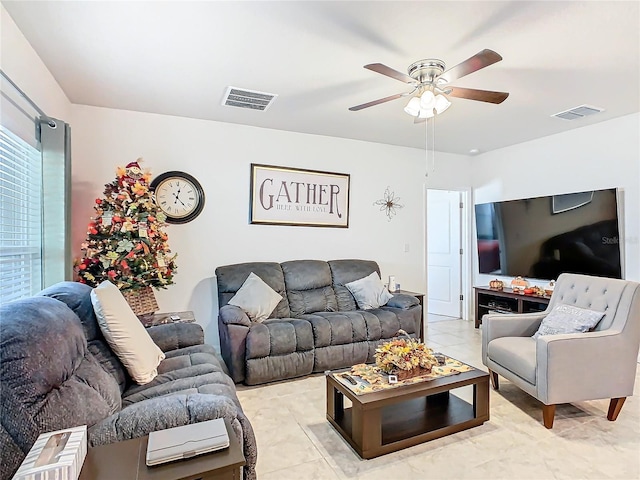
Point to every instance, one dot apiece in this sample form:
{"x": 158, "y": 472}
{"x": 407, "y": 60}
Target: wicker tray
{"x": 142, "y": 300}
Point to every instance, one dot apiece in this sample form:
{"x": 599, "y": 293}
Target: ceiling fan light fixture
{"x": 413, "y": 107}
{"x": 427, "y": 113}
{"x": 441, "y": 103}
{"x": 427, "y": 100}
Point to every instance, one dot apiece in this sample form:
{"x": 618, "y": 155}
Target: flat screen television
{"x": 543, "y": 237}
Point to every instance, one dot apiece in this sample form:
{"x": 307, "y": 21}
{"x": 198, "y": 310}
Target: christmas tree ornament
{"x": 133, "y": 171}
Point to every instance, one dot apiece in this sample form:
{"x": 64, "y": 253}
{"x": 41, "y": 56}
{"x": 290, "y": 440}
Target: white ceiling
{"x": 177, "y": 58}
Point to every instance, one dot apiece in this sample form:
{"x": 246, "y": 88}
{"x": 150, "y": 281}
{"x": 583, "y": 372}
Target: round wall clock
{"x": 179, "y": 196}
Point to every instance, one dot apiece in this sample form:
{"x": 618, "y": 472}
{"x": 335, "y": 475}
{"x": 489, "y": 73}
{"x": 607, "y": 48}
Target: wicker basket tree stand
{"x": 141, "y": 300}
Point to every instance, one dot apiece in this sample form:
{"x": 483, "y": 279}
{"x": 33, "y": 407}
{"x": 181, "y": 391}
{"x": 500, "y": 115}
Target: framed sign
{"x": 293, "y": 196}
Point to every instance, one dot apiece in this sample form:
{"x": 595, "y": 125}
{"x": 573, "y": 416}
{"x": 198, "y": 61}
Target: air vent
{"x": 251, "y": 99}
{"x": 578, "y": 112}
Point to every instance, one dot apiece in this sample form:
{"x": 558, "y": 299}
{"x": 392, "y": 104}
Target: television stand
{"x": 490, "y": 300}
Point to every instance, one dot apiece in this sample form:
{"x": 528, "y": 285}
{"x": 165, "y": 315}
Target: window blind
{"x": 20, "y": 218}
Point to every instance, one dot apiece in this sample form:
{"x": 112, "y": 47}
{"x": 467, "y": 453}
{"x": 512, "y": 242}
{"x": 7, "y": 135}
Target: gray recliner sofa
{"x": 57, "y": 371}
{"x": 317, "y": 325}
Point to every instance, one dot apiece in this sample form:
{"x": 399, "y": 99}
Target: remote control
{"x": 350, "y": 379}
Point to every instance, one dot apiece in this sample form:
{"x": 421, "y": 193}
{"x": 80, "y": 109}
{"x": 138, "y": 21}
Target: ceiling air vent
{"x": 578, "y": 112}
{"x": 251, "y": 99}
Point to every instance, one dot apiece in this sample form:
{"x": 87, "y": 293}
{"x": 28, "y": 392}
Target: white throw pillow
{"x": 369, "y": 292}
{"x": 124, "y": 333}
{"x": 256, "y": 298}
{"x": 568, "y": 319}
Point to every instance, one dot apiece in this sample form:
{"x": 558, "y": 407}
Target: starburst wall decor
{"x": 389, "y": 204}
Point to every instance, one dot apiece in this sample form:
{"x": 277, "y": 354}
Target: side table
{"x": 126, "y": 460}
{"x": 166, "y": 317}
{"x": 420, "y": 297}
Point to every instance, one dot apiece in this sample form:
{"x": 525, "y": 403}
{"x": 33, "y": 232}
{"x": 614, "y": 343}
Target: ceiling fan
{"x": 430, "y": 76}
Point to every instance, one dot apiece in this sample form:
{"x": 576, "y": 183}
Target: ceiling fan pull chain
{"x": 430, "y": 142}
{"x": 433, "y": 143}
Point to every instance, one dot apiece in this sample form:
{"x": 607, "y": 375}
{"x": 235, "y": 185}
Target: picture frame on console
{"x": 298, "y": 197}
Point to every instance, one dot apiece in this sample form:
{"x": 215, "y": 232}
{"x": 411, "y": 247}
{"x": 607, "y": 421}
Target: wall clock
{"x": 178, "y": 195}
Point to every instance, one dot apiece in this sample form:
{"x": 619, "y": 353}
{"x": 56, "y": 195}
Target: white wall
{"x": 603, "y": 155}
{"x": 21, "y": 63}
{"x": 219, "y": 156}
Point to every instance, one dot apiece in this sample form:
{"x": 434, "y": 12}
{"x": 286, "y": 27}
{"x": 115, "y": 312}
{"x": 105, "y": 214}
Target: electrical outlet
{"x": 406, "y": 248}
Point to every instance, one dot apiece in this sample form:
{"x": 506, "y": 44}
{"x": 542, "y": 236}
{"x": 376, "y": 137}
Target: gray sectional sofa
{"x": 317, "y": 325}
{"x": 57, "y": 371}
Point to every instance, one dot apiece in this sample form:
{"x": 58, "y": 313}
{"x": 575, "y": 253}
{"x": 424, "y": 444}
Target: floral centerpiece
{"x": 405, "y": 357}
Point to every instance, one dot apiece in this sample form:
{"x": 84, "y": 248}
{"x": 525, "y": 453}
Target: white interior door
{"x": 443, "y": 253}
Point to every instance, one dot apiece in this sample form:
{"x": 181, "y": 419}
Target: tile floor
{"x": 295, "y": 441}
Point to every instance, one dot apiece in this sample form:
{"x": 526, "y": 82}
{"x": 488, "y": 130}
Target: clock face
{"x": 179, "y": 196}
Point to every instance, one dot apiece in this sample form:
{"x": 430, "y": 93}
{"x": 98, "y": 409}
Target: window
{"x": 20, "y": 218}
{"x": 35, "y": 196}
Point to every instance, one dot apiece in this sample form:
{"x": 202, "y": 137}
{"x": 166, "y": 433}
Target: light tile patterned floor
{"x": 296, "y": 442}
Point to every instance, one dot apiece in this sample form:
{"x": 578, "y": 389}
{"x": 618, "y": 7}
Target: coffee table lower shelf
{"x": 406, "y": 417}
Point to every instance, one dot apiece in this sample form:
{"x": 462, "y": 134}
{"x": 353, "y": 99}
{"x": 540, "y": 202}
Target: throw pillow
{"x": 124, "y": 333}
{"x": 256, "y": 298}
{"x": 369, "y": 292}
{"x": 568, "y": 319}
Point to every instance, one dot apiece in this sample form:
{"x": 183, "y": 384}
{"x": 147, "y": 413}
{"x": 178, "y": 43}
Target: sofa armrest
{"x": 510, "y": 325}
{"x": 232, "y": 315}
{"x": 172, "y": 336}
{"x": 584, "y": 366}
{"x": 403, "y": 301}
{"x": 233, "y": 332}
{"x": 141, "y": 418}
{"x": 500, "y": 325}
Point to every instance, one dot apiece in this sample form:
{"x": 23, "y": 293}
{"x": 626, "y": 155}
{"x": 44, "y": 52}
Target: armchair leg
{"x": 494, "y": 380}
{"x": 614, "y": 408}
{"x": 548, "y": 413}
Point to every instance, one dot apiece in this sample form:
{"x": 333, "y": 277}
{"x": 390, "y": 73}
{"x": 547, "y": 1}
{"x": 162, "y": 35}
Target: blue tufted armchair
{"x": 570, "y": 367}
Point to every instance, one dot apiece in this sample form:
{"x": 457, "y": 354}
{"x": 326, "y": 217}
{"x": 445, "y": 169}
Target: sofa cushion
{"x": 336, "y": 328}
{"x": 278, "y": 337}
{"x": 403, "y": 300}
{"x": 77, "y": 296}
{"x": 125, "y": 334}
{"x": 369, "y": 292}
{"x": 256, "y": 298}
{"x": 278, "y": 367}
{"x": 309, "y": 287}
{"x": 516, "y": 354}
{"x": 180, "y": 381}
{"x": 345, "y": 271}
{"x": 340, "y": 356}
{"x": 594, "y": 293}
{"x": 311, "y": 301}
{"x": 181, "y": 363}
{"x": 568, "y": 319}
{"x": 231, "y": 277}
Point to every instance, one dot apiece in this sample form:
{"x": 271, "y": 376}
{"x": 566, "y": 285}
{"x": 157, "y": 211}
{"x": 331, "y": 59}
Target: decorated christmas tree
{"x": 125, "y": 241}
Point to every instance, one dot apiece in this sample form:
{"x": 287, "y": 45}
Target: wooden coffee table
{"x": 382, "y": 422}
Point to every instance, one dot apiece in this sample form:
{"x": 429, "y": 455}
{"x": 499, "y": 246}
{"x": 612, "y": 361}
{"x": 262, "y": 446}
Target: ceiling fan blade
{"x": 389, "y": 72}
{"x": 480, "y": 95}
{"x": 480, "y": 60}
{"x": 377, "y": 102}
